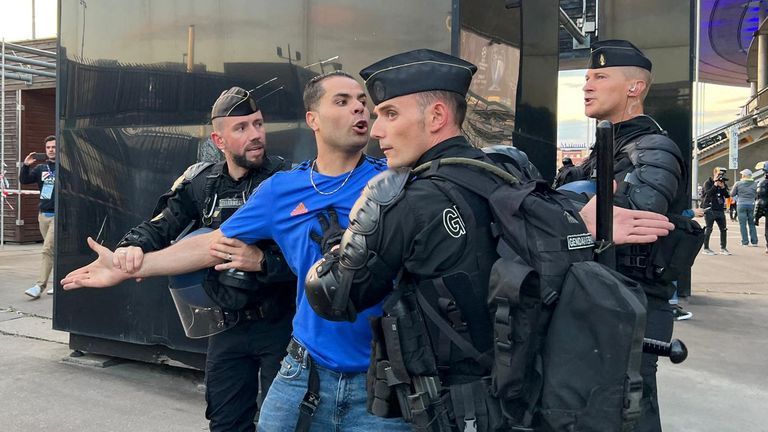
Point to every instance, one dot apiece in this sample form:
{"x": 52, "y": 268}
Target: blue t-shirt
{"x": 284, "y": 208}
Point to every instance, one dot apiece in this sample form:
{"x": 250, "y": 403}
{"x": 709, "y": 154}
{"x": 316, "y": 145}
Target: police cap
{"x": 417, "y": 71}
{"x": 234, "y": 102}
{"x": 615, "y": 52}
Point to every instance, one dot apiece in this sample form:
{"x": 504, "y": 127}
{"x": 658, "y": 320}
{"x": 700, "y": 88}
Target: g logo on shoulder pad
{"x": 453, "y": 222}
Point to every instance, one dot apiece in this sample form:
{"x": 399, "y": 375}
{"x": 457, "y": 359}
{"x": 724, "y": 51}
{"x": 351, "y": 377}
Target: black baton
{"x": 606, "y": 253}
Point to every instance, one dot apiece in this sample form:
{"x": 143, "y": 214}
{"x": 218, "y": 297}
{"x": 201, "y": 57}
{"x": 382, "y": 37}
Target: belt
{"x": 297, "y": 351}
{"x": 311, "y": 399}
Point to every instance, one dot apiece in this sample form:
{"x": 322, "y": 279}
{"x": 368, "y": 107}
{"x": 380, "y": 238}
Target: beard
{"x": 241, "y": 161}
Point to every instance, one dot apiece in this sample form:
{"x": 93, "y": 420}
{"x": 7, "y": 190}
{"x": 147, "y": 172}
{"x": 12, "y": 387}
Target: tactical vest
{"x": 221, "y": 199}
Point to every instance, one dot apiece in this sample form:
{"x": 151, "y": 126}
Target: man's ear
{"x": 638, "y": 88}
{"x": 311, "y": 118}
{"x": 438, "y": 115}
{"x": 218, "y": 141}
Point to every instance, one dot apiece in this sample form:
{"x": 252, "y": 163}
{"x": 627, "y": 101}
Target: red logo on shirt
{"x": 299, "y": 210}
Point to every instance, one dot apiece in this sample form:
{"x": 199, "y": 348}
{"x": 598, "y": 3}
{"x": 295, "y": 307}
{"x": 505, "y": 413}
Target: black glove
{"x": 332, "y": 231}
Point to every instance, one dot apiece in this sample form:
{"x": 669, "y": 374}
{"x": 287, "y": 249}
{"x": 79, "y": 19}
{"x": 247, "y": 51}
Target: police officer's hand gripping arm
{"x": 183, "y": 257}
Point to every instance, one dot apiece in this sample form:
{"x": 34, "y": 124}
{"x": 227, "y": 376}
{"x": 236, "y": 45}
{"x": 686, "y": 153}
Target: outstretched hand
{"x": 629, "y": 226}
{"x": 101, "y": 273}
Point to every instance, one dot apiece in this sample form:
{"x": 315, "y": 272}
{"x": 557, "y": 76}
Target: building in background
{"x": 27, "y": 117}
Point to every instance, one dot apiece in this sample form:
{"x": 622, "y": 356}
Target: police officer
{"x": 437, "y": 247}
{"x": 255, "y": 309}
{"x": 651, "y": 175}
{"x": 433, "y": 240}
{"x": 565, "y": 174}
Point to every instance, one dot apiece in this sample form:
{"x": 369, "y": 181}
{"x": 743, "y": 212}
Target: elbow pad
{"x": 327, "y": 290}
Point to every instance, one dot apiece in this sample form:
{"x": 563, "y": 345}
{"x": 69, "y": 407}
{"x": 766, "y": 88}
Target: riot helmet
{"x": 511, "y": 156}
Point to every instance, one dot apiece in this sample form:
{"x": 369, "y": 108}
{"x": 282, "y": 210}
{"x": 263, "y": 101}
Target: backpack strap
{"x": 478, "y": 181}
{"x": 453, "y": 335}
{"x": 474, "y": 175}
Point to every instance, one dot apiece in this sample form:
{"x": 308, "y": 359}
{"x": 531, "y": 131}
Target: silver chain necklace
{"x": 312, "y": 180}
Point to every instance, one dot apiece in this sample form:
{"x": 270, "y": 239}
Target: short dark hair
{"x": 49, "y": 138}
{"x": 313, "y": 91}
{"x": 456, "y": 102}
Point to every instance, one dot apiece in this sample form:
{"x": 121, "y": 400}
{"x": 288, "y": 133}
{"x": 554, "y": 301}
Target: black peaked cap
{"x": 615, "y": 52}
{"x": 234, "y": 102}
{"x": 417, "y": 71}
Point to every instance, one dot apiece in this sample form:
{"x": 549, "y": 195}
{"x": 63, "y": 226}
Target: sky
{"x": 16, "y": 19}
{"x": 721, "y": 103}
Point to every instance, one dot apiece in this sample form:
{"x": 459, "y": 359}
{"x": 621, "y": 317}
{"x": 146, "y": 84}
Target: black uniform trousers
{"x": 239, "y": 362}
{"x": 659, "y": 324}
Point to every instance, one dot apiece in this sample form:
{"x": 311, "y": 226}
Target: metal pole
{"x": 17, "y": 76}
{"x": 2, "y": 146}
{"x": 604, "y": 144}
{"x": 22, "y": 71}
{"x": 18, "y": 152}
{"x": 762, "y": 56}
{"x": 696, "y": 95}
{"x": 30, "y": 61}
{"x": 33, "y": 20}
{"x": 191, "y": 48}
{"x": 571, "y": 27}
{"x": 26, "y": 49}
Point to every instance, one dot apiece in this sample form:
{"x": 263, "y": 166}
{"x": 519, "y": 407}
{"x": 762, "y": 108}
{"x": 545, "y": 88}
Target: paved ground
{"x": 42, "y": 389}
{"x": 723, "y": 386}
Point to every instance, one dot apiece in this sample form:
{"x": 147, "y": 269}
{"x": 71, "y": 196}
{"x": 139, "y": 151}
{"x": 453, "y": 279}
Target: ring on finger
{"x": 229, "y": 257}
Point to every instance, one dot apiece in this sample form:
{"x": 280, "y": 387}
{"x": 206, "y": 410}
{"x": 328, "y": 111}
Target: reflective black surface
{"x": 133, "y": 108}
{"x": 133, "y": 114}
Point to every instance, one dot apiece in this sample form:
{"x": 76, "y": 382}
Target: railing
{"x": 757, "y": 101}
{"x": 757, "y": 117}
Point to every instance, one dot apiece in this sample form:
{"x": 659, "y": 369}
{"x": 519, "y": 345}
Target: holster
{"x": 402, "y": 379}
{"x": 663, "y": 262}
{"x": 675, "y": 253}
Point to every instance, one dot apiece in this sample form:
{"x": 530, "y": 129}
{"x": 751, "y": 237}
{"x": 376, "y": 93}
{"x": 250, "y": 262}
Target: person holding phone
{"x": 44, "y": 174}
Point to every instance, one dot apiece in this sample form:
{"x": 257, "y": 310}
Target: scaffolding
{"x": 22, "y": 72}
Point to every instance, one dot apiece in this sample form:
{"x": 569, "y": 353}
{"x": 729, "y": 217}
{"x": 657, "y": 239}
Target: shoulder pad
{"x": 387, "y": 185}
{"x": 383, "y": 189}
{"x": 656, "y": 151}
{"x": 658, "y": 142}
{"x": 194, "y": 170}
{"x": 657, "y": 171}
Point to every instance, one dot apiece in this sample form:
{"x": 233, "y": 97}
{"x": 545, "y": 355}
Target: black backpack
{"x": 568, "y": 331}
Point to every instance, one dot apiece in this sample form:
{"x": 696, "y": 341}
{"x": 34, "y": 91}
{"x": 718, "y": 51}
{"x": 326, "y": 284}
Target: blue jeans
{"x": 342, "y": 402}
{"x": 747, "y": 218}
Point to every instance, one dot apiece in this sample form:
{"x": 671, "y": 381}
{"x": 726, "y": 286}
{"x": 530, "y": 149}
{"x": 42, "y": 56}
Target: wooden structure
{"x": 29, "y": 115}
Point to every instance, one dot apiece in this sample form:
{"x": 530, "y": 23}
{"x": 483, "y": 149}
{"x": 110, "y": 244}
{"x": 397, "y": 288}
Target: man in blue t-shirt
{"x": 322, "y": 379}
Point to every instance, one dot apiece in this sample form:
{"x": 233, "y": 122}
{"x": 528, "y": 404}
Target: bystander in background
{"x": 745, "y": 191}
{"x": 44, "y": 174}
